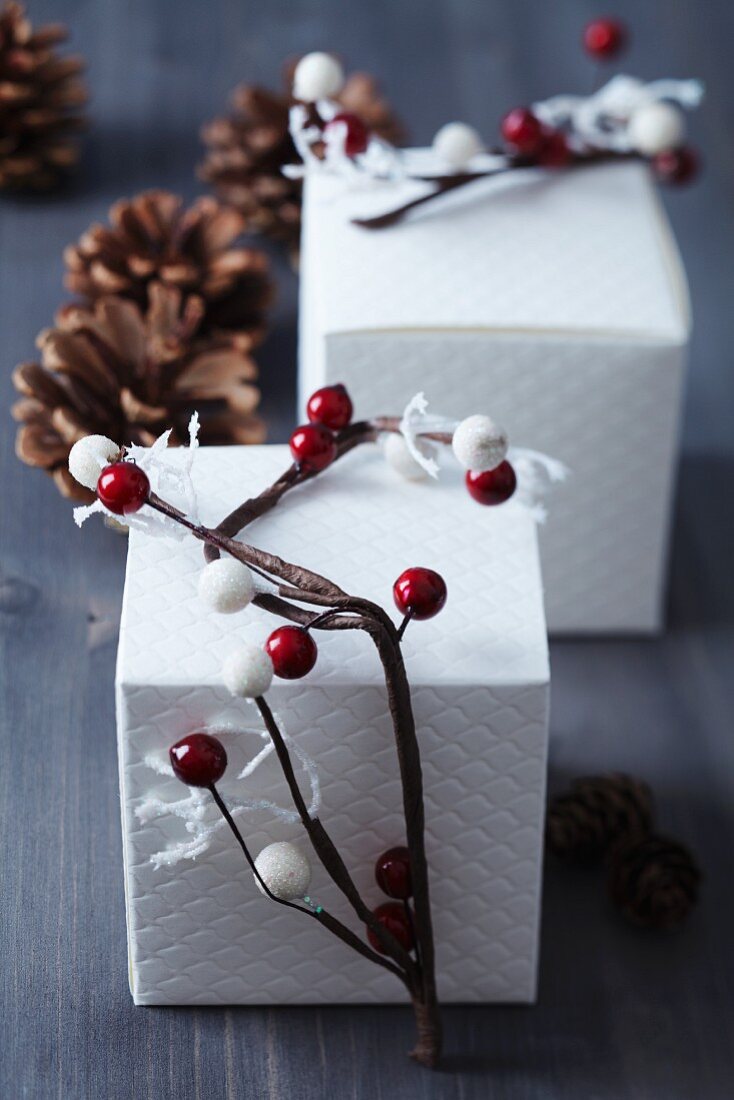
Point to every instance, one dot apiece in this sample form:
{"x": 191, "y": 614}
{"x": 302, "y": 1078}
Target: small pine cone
{"x": 41, "y": 97}
{"x": 247, "y": 149}
{"x": 654, "y": 881}
{"x": 596, "y": 812}
{"x": 112, "y": 369}
{"x": 152, "y": 238}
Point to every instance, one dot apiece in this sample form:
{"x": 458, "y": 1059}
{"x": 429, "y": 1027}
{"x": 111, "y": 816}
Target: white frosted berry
{"x": 285, "y": 870}
{"x": 89, "y": 456}
{"x": 456, "y": 144}
{"x": 248, "y": 672}
{"x": 656, "y": 128}
{"x": 479, "y": 444}
{"x": 225, "y": 585}
{"x": 399, "y": 457}
{"x": 317, "y": 76}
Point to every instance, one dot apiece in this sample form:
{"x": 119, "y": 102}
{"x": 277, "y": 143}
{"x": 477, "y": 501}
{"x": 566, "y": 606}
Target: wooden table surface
{"x": 622, "y": 1014}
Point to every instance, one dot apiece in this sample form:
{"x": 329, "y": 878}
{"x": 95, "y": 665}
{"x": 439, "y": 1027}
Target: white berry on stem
{"x": 317, "y": 76}
{"x": 89, "y": 456}
{"x": 656, "y": 128}
{"x": 285, "y": 870}
{"x": 401, "y": 460}
{"x": 226, "y": 585}
{"x": 479, "y": 444}
{"x": 248, "y": 672}
{"x": 456, "y": 144}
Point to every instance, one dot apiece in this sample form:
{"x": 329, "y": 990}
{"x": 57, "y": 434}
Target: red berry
{"x": 357, "y": 136}
{"x": 292, "y": 651}
{"x": 419, "y": 592}
{"x": 331, "y": 406}
{"x": 521, "y": 129}
{"x": 492, "y": 486}
{"x": 198, "y": 759}
{"x": 313, "y": 447}
{"x": 123, "y": 488}
{"x": 554, "y": 152}
{"x": 393, "y": 917}
{"x": 605, "y": 38}
{"x": 676, "y": 166}
{"x": 392, "y": 873}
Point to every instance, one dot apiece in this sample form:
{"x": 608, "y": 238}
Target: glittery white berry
{"x": 225, "y": 585}
{"x": 285, "y": 870}
{"x": 479, "y": 444}
{"x": 89, "y": 456}
{"x": 399, "y": 457}
{"x": 656, "y": 128}
{"x": 248, "y": 671}
{"x": 456, "y": 143}
{"x": 317, "y": 76}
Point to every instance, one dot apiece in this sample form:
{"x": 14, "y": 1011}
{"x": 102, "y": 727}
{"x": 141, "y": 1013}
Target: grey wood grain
{"x": 621, "y": 1013}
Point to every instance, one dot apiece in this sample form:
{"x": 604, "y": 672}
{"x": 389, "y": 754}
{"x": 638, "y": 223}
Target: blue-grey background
{"x": 621, "y": 1013}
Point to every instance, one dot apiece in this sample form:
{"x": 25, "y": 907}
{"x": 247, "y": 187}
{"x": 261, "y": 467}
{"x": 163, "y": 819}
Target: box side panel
{"x": 606, "y": 408}
{"x": 201, "y": 934}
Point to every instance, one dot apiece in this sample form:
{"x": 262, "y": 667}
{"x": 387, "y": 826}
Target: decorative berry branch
{"x": 400, "y": 938}
{"x": 624, "y": 119}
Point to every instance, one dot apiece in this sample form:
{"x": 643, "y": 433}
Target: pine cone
{"x": 112, "y": 369}
{"x": 654, "y": 880}
{"x": 41, "y": 95}
{"x": 247, "y": 149}
{"x": 152, "y": 238}
{"x": 596, "y": 812}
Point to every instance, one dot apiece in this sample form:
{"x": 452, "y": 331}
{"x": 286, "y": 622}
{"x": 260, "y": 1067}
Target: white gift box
{"x": 555, "y": 302}
{"x": 199, "y": 930}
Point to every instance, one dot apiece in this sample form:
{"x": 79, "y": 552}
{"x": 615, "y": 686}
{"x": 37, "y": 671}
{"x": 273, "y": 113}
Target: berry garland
{"x": 399, "y": 935}
{"x": 624, "y": 119}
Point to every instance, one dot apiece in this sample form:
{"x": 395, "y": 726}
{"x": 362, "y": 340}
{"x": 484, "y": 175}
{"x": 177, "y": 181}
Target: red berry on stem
{"x": 357, "y": 135}
{"x": 330, "y": 406}
{"x": 392, "y": 873}
{"x": 554, "y": 152}
{"x": 605, "y": 38}
{"x": 492, "y": 486}
{"x": 198, "y": 759}
{"x": 123, "y": 488}
{"x": 521, "y": 129}
{"x": 419, "y": 592}
{"x": 676, "y": 166}
{"x": 393, "y": 917}
{"x": 313, "y": 447}
{"x": 292, "y": 651}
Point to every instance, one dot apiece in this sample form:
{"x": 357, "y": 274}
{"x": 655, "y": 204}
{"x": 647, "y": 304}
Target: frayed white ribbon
{"x": 196, "y": 809}
{"x": 601, "y": 120}
{"x": 171, "y": 480}
{"x": 534, "y": 469}
{"x": 379, "y": 162}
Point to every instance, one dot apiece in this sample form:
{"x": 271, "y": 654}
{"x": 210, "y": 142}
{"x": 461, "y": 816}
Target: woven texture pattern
{"x": 585, "y": 250}
{"x": 200, "y": 932}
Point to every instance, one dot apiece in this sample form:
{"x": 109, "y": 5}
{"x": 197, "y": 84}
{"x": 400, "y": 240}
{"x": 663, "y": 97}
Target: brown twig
{"x": 340, "y": 930}
{"x": 348, "y": 612}
{"x": 447, "y": 183}
{"x": 328, "y": 853}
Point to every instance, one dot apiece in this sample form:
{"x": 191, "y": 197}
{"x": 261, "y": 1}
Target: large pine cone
{"x": 41, "y": 96}
{"x": 112, "y": 369}
{"x": 596, "y": 812}
{"x": 247, "y": 149}
{"x": 654, "y": 880}
{"x": 152, "y": 238}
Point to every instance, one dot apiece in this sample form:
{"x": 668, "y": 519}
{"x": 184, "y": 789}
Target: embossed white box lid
{"x": 587, "y": 250}
{"x": 359, "y": 524}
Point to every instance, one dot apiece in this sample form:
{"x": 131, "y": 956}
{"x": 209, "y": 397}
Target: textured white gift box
{"x": 199, "y": 932}
{"x": 555, "y": 302}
